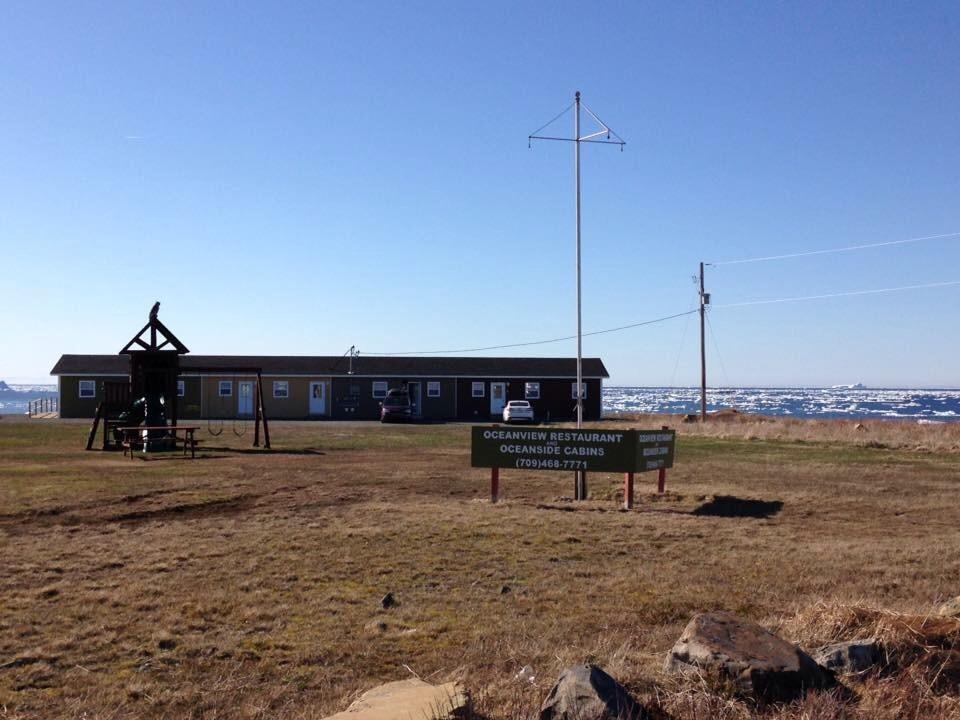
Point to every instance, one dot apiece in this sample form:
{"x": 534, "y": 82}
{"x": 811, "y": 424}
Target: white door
{"x": 318, "y": 398}
{"x": 498, "y": 397}
{"x": 245, "y": 399}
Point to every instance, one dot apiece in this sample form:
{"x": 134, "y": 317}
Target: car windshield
{"x": 398, "y": 399}
{"x": 519, "y": 403}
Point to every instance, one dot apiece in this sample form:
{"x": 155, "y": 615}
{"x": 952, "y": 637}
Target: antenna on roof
{"x": 353, "y": 353}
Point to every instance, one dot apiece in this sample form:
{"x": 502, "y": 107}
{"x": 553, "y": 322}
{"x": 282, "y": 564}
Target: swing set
{"x": 225, "y": 410}
{"x": 217, "y": 430}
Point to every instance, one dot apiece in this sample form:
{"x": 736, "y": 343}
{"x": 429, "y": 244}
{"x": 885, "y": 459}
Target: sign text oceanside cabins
{"x": 569, "y": 449}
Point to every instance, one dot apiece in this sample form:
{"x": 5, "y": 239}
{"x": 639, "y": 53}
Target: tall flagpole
{"x": 580, "y": 477}
{"x": 576, "y": 165}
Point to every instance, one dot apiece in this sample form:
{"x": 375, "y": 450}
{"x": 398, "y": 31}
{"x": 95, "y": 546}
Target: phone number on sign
{"x": 551, "y": 464}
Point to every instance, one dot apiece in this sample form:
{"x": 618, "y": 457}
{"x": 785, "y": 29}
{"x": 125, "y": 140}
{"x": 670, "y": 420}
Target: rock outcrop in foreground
{"x": 586, "y": 692}
{"x": 851, "y": 656}
{"x": 753, "y": 660}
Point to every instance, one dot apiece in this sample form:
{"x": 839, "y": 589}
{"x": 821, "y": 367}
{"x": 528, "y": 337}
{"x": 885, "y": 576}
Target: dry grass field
{"x": 246, "y": 584}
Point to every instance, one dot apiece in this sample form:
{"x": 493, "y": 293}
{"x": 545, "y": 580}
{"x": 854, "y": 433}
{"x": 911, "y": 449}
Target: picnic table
{"x": 140, "y": 435}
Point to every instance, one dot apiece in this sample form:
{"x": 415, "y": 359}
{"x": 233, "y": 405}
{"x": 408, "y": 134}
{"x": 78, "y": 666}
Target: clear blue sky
{"x": 298, "y": 178}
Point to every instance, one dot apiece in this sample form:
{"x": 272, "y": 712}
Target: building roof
{"x": 515, "y": 367}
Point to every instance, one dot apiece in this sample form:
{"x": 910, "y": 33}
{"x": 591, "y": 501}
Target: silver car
{"x": 517, "y": 411}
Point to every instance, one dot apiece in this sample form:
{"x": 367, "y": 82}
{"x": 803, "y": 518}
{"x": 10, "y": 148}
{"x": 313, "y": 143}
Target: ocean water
{"x": 845, "y": 402}
{"x": 14, "y": 398}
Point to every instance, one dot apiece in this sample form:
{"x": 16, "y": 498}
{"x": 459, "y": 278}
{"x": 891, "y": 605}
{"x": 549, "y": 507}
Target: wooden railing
{"x": 43, "y": 406}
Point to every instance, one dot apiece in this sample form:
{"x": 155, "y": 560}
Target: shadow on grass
{"x": 260, "y": 451}
{"x": 160, "y": 457}
{"x": 734, "y": 507}
{"x": 204, "y": 508}
{"x": 206, "y": 453}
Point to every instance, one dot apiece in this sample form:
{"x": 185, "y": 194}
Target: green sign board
{"x": 594, "y": 450}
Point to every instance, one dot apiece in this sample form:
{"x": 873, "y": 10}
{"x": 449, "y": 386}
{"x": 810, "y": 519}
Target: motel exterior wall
{"x": 212, "y": 405}
{"x": 190, "y": 403}
{"x": 74, "y": 406}
{"x": 353, "y": 397}
{"x": 346, "y": 396}
{"x": 295, "y": 406}
{"x": 556, "y": 399}
{"x": 201, "y": 398}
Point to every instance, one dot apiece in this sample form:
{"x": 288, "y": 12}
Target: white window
{"x": 531, "y": 391}
{"x": 88, "y": 388}
{"x": 573, "y": 390}
{"x": 226, "y": 388}
{"x": 379, "y": 388}
{"x": 433, "y": 389}
{"x": 281, "y": 388}
{"x": 181, "y": 388}
{"x": 479, "y": 389}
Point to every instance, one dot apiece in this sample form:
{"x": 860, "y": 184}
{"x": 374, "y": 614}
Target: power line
{"x": 683, "y": 337}
{"x": 835, "y": 250}
{"x": 949, "y": 283}
{"x": 878, "y": 291}
{"x": 535, "y": 342}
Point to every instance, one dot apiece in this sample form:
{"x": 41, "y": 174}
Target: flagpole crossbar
{"x": 621, "y": 143}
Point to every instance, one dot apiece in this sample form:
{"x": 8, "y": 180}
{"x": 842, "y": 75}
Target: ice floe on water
{"x": 852, "y": 401}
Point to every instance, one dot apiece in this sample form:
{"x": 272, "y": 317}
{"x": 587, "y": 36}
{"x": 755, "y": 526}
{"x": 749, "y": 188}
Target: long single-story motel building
{"x": 302, "y": 388}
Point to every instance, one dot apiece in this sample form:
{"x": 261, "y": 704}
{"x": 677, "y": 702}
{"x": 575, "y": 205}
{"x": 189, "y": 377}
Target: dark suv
{"x": 396, "y": 407}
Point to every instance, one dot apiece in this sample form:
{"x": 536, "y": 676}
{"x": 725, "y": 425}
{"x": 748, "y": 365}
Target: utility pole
{"x": 704, "y": 301}
{"x": 580, "y": 477}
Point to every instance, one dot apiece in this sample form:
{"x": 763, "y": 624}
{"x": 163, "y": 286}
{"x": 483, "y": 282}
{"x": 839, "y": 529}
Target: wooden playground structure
{"x": 142, "y": 412}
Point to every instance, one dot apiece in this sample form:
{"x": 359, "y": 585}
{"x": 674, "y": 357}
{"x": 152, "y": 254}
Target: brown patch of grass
{"x": 247, "y": 584}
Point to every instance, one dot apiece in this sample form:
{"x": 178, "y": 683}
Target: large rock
{"x": 951, "y": 608}
{"x": 586, "y": 692}
{"x": 853, "y": 656}
{"x": 408, "y": 700}
{"x": 755, "y": 661}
